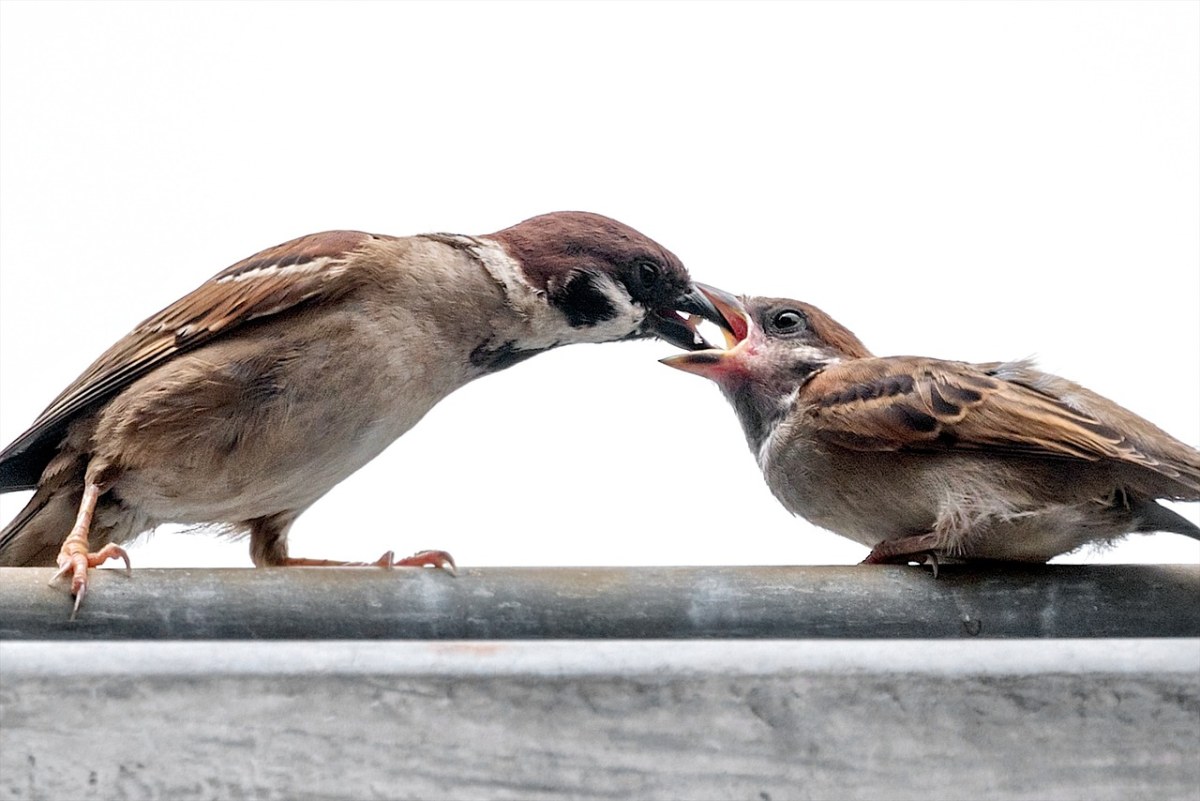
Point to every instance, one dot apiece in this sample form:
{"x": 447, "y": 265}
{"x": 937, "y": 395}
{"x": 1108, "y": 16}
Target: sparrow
{"x": 245, "y": 401}
{"x": 920, "y": 459}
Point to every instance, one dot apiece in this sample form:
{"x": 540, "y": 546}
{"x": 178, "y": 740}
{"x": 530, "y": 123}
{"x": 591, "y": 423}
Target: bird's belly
{"x": 253, "y": 479}
{"x": 865, "y": 497}
{"x": 979, "y": 507}
{"x": 198, "y": 444}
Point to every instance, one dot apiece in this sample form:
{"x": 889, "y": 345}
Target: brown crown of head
{"x": 552, "y": 246}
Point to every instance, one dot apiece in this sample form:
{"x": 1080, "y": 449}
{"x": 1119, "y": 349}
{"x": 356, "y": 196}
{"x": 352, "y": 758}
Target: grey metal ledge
{"x": 853, "y": 602}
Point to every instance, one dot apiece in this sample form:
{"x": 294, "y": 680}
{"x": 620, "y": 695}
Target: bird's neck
{"x": 517, "y": 316}
{"x": 762, "y": 400}
{"x": 759, "y": 412}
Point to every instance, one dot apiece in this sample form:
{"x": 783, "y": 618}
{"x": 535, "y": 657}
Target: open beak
{"x": 735, "y": 325}
{"x": 677, "y": 323}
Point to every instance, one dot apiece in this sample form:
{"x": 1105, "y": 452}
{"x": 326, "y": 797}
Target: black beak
{"x": 677, "y": 323}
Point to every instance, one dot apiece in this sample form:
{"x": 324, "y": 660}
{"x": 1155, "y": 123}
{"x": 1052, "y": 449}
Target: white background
{"x": 968, "y": 180}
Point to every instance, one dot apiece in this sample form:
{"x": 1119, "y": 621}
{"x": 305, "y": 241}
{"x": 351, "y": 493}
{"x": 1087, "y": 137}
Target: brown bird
{"x": 245, "y": 401}
{"x": 922, "y": 458}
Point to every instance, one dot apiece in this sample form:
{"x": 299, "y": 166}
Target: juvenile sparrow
{"x": 922, "y": 458}
{"x": 248, "y": 399}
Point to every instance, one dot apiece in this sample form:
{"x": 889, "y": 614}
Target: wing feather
{"x": 918, "y": 404}
{"x": 265, "y": 284}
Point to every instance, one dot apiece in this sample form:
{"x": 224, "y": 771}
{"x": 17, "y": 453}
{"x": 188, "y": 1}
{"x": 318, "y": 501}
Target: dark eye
{"x": 788, "y": 321}
{"x": 647, "y": 274}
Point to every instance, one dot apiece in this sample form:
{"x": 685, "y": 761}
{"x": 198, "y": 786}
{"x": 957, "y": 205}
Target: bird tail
{"x": 34, "y": 536}
{"x": 1155, "y": 517}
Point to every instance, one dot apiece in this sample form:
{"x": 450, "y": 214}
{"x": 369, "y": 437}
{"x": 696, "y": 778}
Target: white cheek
{"x": 545, "y": 326}
{"x": 811, "y": 355}
{"x": 542, "y": 326}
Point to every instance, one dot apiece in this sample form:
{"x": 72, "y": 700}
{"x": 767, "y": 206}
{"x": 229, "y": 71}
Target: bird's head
{"x": 774, "y": 345}
{"x": 609, "y": 281}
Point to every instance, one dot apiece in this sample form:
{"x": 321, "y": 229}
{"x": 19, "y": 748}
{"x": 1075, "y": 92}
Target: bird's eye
{"x": 788, "y": 321}
{"x": 647, "y": 274}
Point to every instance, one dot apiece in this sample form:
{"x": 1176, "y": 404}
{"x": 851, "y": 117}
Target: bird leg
{"x": 268, "y": 548}
{"x": 435, "y": 559}
{"x": 75, "y": 557}
{"x": 918, "y": 548}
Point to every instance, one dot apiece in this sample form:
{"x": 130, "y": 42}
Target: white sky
{"x": 975, "y": 181}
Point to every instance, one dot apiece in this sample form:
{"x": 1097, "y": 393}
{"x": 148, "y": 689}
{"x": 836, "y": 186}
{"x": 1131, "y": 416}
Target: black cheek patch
{"x": 582, "y": 301}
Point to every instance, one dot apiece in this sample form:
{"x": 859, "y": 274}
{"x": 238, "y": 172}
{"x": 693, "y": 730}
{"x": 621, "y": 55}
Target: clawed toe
{"x": 75, "y": 559}
{"x": 439, "y": 560}
{"x": 902, "y": 551}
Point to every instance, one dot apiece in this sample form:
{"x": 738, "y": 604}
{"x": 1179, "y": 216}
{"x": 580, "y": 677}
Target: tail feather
{"x": 1153, "y": 517}
{"x": 34, "y": 536}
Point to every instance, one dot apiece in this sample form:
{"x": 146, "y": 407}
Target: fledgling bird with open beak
{"x": 248, "y": 399}
{"x": 921, "y": 458}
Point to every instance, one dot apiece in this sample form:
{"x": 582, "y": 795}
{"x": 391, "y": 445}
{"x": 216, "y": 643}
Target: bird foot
{"x": 903, "y": 551}
{"x": 435, "y": 559}
{"x": 76, "y": 559}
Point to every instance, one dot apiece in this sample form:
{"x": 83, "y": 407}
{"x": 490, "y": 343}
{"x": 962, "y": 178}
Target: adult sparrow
{"x": 245, "y": 401}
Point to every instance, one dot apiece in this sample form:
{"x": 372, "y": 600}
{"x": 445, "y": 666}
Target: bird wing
{"x": 912, "y": 403}
{"x": 267, "y": 283}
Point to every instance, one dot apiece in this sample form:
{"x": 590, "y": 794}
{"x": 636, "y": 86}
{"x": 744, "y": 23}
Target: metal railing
{"x": 1056, "y": 601}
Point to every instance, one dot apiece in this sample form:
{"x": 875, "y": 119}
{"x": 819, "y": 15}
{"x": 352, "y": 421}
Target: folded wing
{"x": 267, "y": 283}
{"x": 913, "y": 403}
